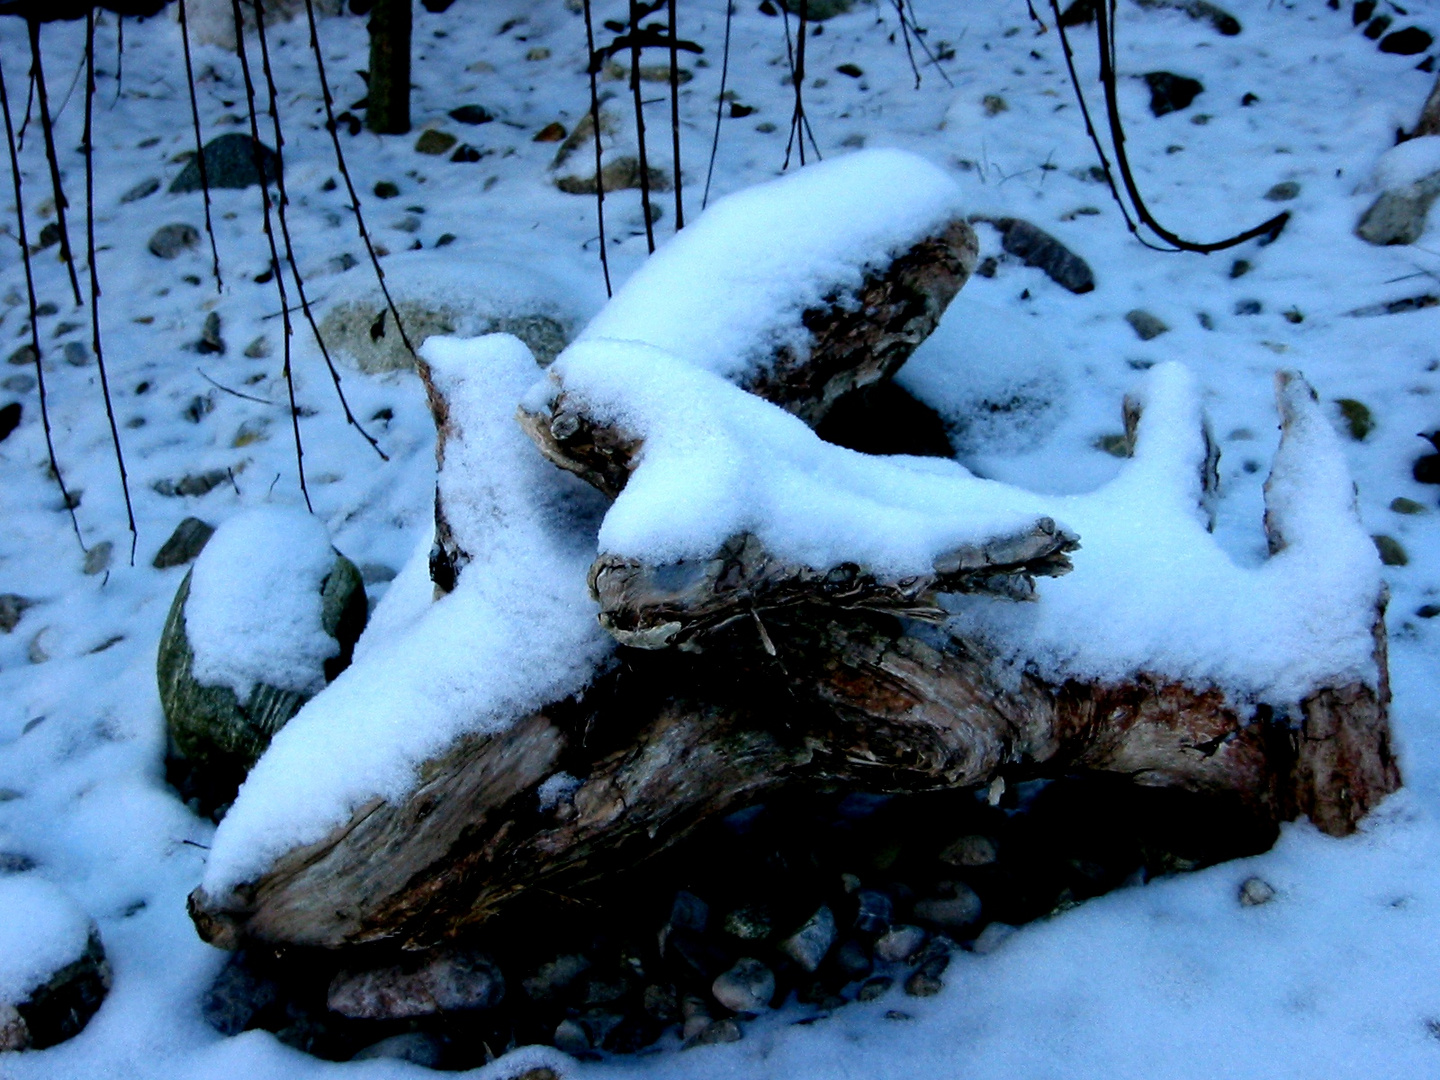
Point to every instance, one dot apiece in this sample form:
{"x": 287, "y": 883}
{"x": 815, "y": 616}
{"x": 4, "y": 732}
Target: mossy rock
{"x": 214, "y": 738}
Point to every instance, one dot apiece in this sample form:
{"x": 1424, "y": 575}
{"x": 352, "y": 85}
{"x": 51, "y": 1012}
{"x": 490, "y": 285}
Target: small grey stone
{"x": 144, "y": 189}
{"x": 992, "y": 937}
{"x": 973, "y": 850}
{"x": 873, "y": 912}
{"x": 1035, "y": 247}
{"x": 659, "y": 1003}
{"x": 10, "y": 418}
{"x": 745, "y": 988}
{"x": 1402, "y": 505}
{"x": 852, "y": 960}
{"x": 875, "y": 988}
{"x": 950, "y": 912}
{"x": 1283, "y": 191}
{"x": 1392, "y": 552}
{"x": 12, "y": 606}
{"x": 259, "y": 348}
{"x": 689, "y": 912}
{"x": 23, "y": 356}
{"x": 19, "y": 384}
{"x": 410, "y": 223}
{"x": 187, "y": 541}
{"x": 192, "y": 484}
{"x": 899, "y": 943}
{"x": 235, "y": 997}
{"x": 63, "y": 328}
{"x": 554, "y": 976}
{"x": 210, "y": 340}
{"x": 572, "y": 1038}
{"x": 923, "y": 984}
{"x": 1256, "y": 891}
{"x": 13, "y": 862}
{"x": 1145, "y": 325}
{"x": 76, "y": 355}
{"x": 1399, "y": 216}
{"x": 342, "y": 262}
{"x": 808, "y": 945}
{"x": 97, "y": 559}
{"x": 230, "y": 162}
{"x": 749, "y": 923}
{"x": 1248, "y": 307}
{"x": 169, "y": 241}
{"x": 717, "y": 1031}
{"x": 416, "y": 1047}
{"x": 1170, "y": 92}
{"x": 36, "y": 652}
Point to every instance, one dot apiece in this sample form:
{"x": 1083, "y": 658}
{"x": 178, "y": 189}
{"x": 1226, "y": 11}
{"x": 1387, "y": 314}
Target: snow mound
{"x": 41, "y": 930}
{"x": 729, "y": 289}
{"x": 1153, "y": 592}
{"x": 518, "y": 632}
{"x": 1408, "y": 163}
{"x": 254, "y": 611}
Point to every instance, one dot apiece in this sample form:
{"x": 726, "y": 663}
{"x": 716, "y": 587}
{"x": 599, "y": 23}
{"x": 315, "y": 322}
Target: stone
{"x": 448, "y": 982}
{"x": 875, "y": 988}
{"x": 551, "y": 132}
{"x": 12, "y": 607}
{"x": 60, "y": 1007}
{"x": 386, "y": 189}
{"x": 471, "y": 114}
{"x": 1428, "y": 611}
{"x": 9, "y": 419}
{"x": 1392, "y": 552}
{"x": 573, "y": 169}
{"x": 852, "y": 960}
{"x": 416, "y": 1047}
{"x": 1255, "y": 891}
{"x": 808, "y": 945}
{"x": 237, "y": 997}
{"x": 211, "y": 343}
{"x": 991, "y": 938}
{"x": 143, "y": 190}
{"x": 1145, "y": 325}
{"x": 659, "y": 1003}
{"x": 1358, "y": 419}
{"x": 750, "y": 923}
{"x": 25, "y": 355}
{"x": 171, "y": 241}
{"x": 1402, "y": 505}
{"x": 187, "y": 541}
{"x": 818, "y": 10}
{"x": 75, "y": 354}
{"x": 555, "y": 976}
{"x": 853, "y": 71}
{"x": 36, "y": 652}
{"x": 1170, "y": 92}
{"x": 259, "y": 348}
{"x": 434, "y": 142}
{"x": 571, "y": 1037}
{"x": 18, "y": 384}
{"x": 1399, "y": 216}
{"x": 97, "y": 559}
{"x": 1037, "y": 248}
{"x": 873, "y": 912}
{"x": 230, "y": 162}
{"x": 192, "y": 483}
{"x": 973, "y": 850}
{"x": 689, "y": 912}
{"x": 1283, "y": 191}
{"x": 922, "y": 983}
{"x": 899, "y": 943}
{"x": 1407, "y": 42}
{"x": 1248, "y": 307}
{"x": 49, "y": 236}
{"x": 746, "y": 988}
{"x": 467, "y": 154}
{"x": 950, "y": 912}
{"x": 365, "y": 332}
{"x": 716, "y": 1031}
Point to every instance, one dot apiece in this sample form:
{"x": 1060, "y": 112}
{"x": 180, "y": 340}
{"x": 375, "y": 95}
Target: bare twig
{"x": 675, "y": 118}
{"x": 88, "y": 148}
{"x": 233, "y": 392}
{"x": 635, "y": 16}
{"x": 593, "y": 67}
{"x": 719, "y": 102}
{"x": 199, "y": 146}
{"x": 47, "y": 129}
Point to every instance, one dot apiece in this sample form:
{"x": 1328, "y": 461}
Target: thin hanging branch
{"x": 87, "y": 147}
{"x": 905, "y": 9}
{"x": 276, "y": 268}
{"x": 905, "y": 35}
{"x": 119, "y": 56}
{"x": 29, "y": 104}
{"x": 199, "y": 147}
{"x": 635, "y": 16}
{"x": 719, "y": 102}
{"x": 37, "y": 70}
{"x": 334, "y": 130}
{"x": 281, "y": 202}
{"x": 593, "y": 66}
{"x": 675, "y": 118}
{"x": 799, "y": 122}
{"x": 34, "y": 315}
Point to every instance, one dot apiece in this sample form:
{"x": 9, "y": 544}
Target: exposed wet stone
{"x": 230, "y": 162}
{"x": 186, "y": 542}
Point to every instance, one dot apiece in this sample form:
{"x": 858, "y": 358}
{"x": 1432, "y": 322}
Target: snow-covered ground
{"x": 1333, "y": 978}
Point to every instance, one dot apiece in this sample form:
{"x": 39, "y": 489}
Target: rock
{"x": 1283, "y": 191}
{"x": 9, "y": 419}
{"x": 750, "y": 923}
{"x": 1402, "y": 505}
{"x": 1248, "y": 307}
{"x": 994, "y": 104}
{"x": 187, "y": 541}
{"x": 416, "y": 1047}
{"x": 143, "y": 190}
{"x": 571, "y": 1038}
{"x": 366, "y": 332}
{"x": 434, "y": 142}
{"x": 992, "y": 937}
{"x": 259, "y": 348}
{"x": 950, "y": 912}
{"x": 573, "y": 170}
{"x": 447, "y": 982}
{"x": 18, "y": 384}
{"x": 1398, "y": 216}
{"x": 1407, "y": 42}
{"x": 75, "y": 354}
{"x": 1255, "y": 891}
{"x": 25, "y": 355}
{"x": 808, "y": 945}
{"x": 688, "y": 912}
{"x": 211, "y": 343}
{"x": 1392, "y": 553}
{"x": 853, "y": 71}
{"x": 472, "y": 114}
{"x": 12, "y": 607}
{"x": 745, "y": 988}
{"x": 97, "y": 559}
{"x": 1200, "y": 10}
{"x": 49, "y": 236}
{"x": 1358, "y": 420}
{"x": 1171, "y": 93}
{"x": 551, "y": 132}
{"x": 875, "y": 988}
{"x": 716, "y": 1031}
{"x": 554, "y": 977}
{"x": 818, "y": 10}
{"x": 974, "y": 850}
{"x": 1428, "y": 611}
{"x": 874, "y": 911}
{"x": 899, "y": 943}
{"x": 852, "y": 960}
{"x": 237, "y": 998}
{"x": 1145, "y": 325}
{"x": 230, "y": 162}
{"x": 170, "y": 241}
{"x": 36, "y": 652}
{"x": 192, "y": 483}
{"x": 926, "y": 980}
{"x": 1035, "y": 247}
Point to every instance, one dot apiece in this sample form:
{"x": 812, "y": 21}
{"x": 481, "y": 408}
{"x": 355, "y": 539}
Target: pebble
{"x": 385, "y": 189}
{"x": 187, "y": 541}
{"x": 875, "y": 988}
{"x": 449, "y": 982}
{"x": 1256, "y": 891}
{"x": 76, "y": 355}
{"x": 211, "y": 343}
{"x": 9, "y": 419}
{"x": 950, "y": 912}
{"x": 36, "y": 652}
{"x": 259, "y": 348}
{"x": 899, "y": 943}
{"x": 416, "y": 1047}
{"x": 854, "y": 71}
{"x": 551, "y": 132}
{"x": 716, "y": 1031}
{"x": 236, "y": 996}
{"x": 170, "y": 241}
{"x": 97, "y": 559}
{"x": 923, "y": 984}
{"x": 1392, "y": 552}
{"x": 874, "y": 912}
{"x": 689, "y": 912}
{"x": 1359, "y": 421}
{"x": 1283, "y": 191}
{"x": 12, "y": 606}
{"x": 808, "y": 945}
{"x": 476, "y": 114}
{"x": 1248, "y": 307}
{"x": 973, "y": 850}
{"x": 1035, "y": 247}
{"x": 1145, "y": 325}
{"x": 434, "y": 142}
{"x": 745, "y": 988}
{"x": 19, "y": 384}
{"x": 144, "y": 189}
{"x": 24, "y": 355}
{"x": 555, "y": 975}
{"x": 852, "y": 960}
{"x": 572, "y": 1038}
{"x": 1170, "y": 92}
{"x": 751, "y": 923}
{"x": 992, "y": 937}
{"x": 1402, "y": 505}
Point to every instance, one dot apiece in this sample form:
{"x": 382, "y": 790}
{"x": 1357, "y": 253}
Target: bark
{"x": 388, "y": 108}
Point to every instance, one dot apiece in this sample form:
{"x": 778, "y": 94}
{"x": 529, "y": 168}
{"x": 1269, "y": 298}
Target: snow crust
{"x": 254, "y": 611}
{"x": 518, "y": 631}
{"x": 730, "y": 287}
{"x": 41, "y": 930}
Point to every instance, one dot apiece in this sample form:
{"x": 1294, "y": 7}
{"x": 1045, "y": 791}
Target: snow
{"x": 41, "y": 930}
{"x": 518, "y": 631}
{"x": 1410, "y": 162}
{"x": 769, "y": 252}
{"x": 254, "y": 610}
{"x": 1335, "y": 977}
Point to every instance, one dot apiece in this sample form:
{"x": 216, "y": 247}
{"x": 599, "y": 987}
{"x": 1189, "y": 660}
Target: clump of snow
{"x": 727, "y": 290}
{"x": 254, "y": 611}
{"x": 992, "y": 374}
{"x": 41, "y": 930}
{"x": 1153, "y": 592}
{"x": 1408, "y": 163}
{"x": 717, "y": 462}
{"x": 518, "y": 631}
{"x": 556, "y": 789}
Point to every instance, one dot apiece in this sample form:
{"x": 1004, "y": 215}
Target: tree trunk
{"x": 388, "y": 111}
